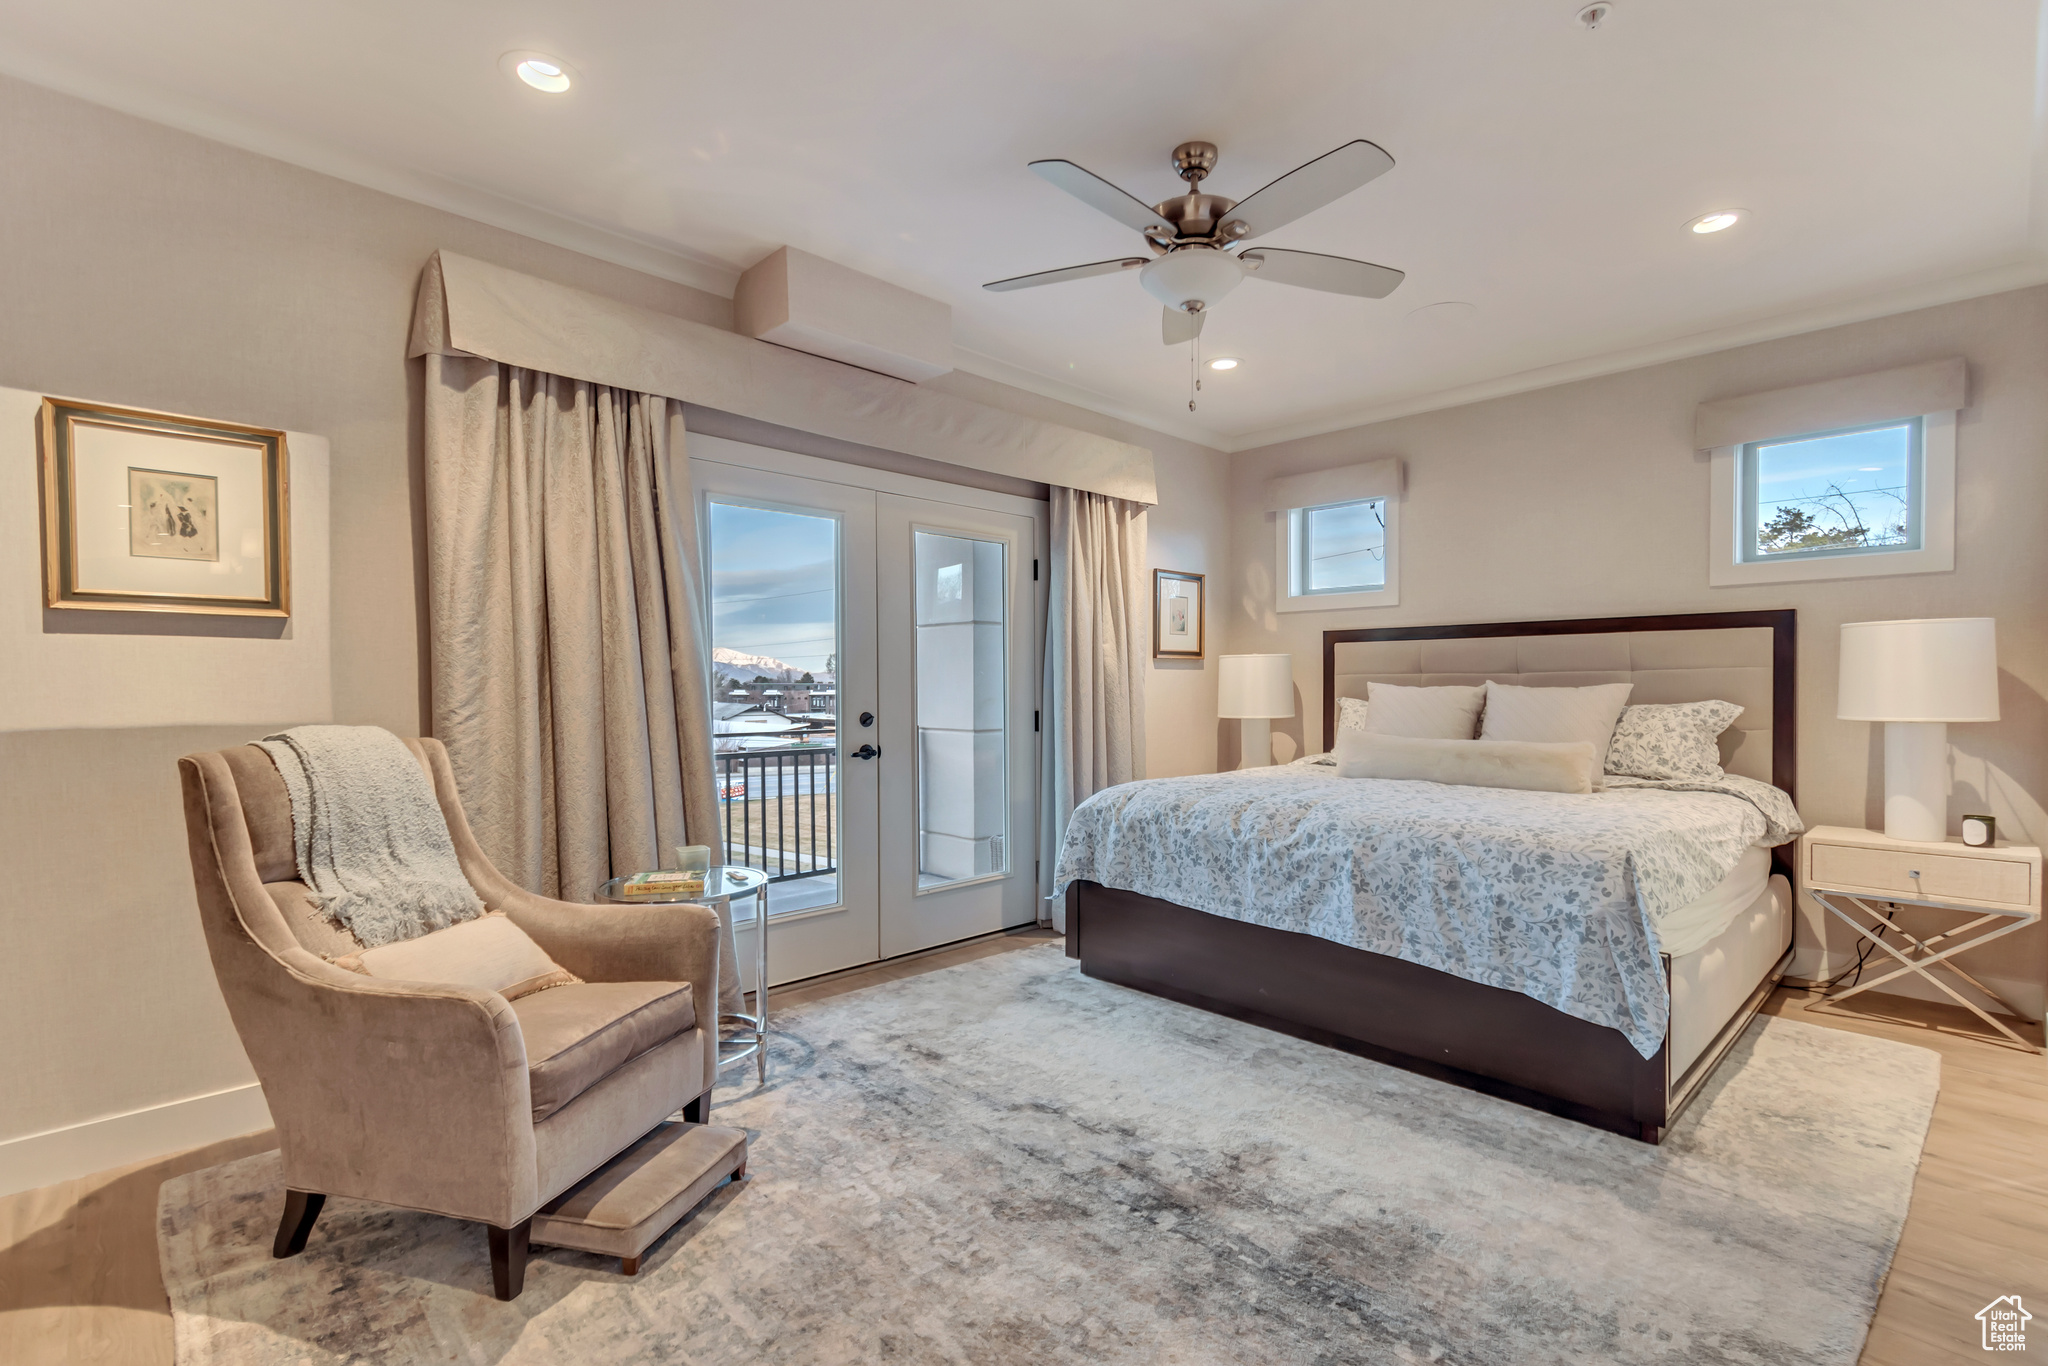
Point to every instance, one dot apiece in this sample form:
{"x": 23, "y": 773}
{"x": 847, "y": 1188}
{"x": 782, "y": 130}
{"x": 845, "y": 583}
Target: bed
{"x": 1317, "y": 905}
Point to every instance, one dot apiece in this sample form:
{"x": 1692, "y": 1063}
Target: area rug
{"x": 1008, "y": 1162}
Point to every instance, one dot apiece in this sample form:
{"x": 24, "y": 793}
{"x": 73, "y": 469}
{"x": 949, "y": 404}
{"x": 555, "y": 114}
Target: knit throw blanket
{"x": 371, "y": 841}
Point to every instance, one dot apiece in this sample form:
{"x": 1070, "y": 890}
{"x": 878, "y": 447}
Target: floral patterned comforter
{"x": 1553, "y": 895}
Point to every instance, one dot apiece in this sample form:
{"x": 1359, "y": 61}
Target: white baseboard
{"x": 118, "y": 1140}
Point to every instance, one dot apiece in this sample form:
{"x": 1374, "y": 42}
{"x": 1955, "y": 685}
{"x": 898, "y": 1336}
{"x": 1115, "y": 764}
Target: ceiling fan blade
{"x": 1176, "y": 326}
{"x": 1097, "y": 193}
{"x": 1305, "y": 189}
{"x": 1053, "y": 277}
{"x": 1313, "y": 270}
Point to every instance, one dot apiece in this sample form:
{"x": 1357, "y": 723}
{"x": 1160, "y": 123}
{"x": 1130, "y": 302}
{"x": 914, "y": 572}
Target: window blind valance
{"x": 469, "y": 307}
{"x": 1346, "y": 484}
{"x": 1935, "y": 386}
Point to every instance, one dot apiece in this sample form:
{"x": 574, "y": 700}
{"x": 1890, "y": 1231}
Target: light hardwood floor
{"x": 79, "y": 1281}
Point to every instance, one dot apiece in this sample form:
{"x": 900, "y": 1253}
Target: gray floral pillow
{"x": 1675, "y": 740}
{"x": 1350, "y": 714}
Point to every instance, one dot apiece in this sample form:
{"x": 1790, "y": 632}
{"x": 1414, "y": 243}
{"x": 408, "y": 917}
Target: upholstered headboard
{"x": 1740, "y": 657}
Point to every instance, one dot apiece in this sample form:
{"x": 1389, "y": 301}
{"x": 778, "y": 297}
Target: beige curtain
{"x": 569, "y": 663}
{"x": 1098, "y": 618}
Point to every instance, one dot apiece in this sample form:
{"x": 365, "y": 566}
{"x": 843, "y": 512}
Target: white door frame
{"x": 755, "y": 473}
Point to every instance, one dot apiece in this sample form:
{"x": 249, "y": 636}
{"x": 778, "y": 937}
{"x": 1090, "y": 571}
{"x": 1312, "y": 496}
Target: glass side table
{"x": 721, "y": 885}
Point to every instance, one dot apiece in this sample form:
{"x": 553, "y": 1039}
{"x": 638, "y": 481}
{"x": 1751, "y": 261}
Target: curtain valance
{"x": 1937, "y": 386}
{"x": 468, "y": 307}
{"x": 1345, "y": 484}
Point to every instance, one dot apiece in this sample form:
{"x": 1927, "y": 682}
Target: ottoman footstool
{"x": 620, "y": 1209}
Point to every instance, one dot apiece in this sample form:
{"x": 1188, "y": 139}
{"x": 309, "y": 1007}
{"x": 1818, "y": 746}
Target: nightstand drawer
{"x": 1943, "y": 877}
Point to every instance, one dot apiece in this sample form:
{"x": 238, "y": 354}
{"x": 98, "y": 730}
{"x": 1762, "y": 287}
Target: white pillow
{"x": 489, "y": 952}
{"x": 1676, "y": 740}
{"x": 1423, "y": 713}
{"x": 1350, "y": 714}
{"x": 1520, "y": 765}
{"x": 1553, "y": 716}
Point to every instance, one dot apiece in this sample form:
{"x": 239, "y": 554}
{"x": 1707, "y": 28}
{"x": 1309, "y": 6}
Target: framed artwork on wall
{"x": 1176, "y": 615}
{"x": 152, "y": 512}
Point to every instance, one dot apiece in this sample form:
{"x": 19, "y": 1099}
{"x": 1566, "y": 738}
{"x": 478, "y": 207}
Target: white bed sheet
{"x": 1698, "y": 923}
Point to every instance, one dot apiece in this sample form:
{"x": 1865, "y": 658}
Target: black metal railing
{"x": 781, "y": 808}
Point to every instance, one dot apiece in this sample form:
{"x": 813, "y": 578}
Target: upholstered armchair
{"x": 437, "y": 1097}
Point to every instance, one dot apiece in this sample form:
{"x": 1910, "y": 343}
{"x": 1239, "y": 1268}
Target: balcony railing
{"x": 780, "y": 808}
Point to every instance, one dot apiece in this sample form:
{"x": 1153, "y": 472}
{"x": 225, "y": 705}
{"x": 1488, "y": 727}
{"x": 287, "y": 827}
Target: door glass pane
{"x": 774, "y": 695}
{"x": 962, "y": 785}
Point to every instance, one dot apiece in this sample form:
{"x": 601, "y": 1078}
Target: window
{"x": 1845, "y": 502}
{"x": 1850, "y": 492}
{"x": 1339, "y": 556}
{"x": 1342, "y": 548}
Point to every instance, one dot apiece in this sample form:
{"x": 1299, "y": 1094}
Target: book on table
{"x": 666, "y": 882}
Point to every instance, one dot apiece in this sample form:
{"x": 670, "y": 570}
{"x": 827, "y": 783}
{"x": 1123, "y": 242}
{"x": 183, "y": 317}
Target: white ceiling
{"x": 1885, "y": 150}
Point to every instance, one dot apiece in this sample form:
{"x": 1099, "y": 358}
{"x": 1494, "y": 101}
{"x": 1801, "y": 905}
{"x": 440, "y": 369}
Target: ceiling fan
{"x": 1192, "y": 265}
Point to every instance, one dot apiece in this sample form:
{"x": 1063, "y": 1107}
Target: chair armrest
{"x": 664, "y": 943}
{"x": 408, "y": 1093}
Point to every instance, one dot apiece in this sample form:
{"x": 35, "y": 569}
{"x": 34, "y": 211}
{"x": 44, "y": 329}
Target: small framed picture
{"x": 1176, "y": 615}
{"x": 151, "y": 512}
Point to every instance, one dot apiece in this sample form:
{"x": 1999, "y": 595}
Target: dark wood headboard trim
{"x": 1784, "y": 624}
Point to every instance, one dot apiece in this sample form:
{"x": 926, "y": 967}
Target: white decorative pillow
{"x": 1423, "y": 713}
{"x": 489, "y": 952}
{"x": 1521, "y": 765}
{"x": 1675, "y": 740}
{"x": 1553, "y": 716}
{"x": 1350, "y": 714}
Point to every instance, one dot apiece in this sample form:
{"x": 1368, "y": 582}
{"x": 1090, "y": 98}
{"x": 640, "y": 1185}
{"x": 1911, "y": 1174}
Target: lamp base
{"x": 1255, "y": 749}
{"x": 1916, "y": 781}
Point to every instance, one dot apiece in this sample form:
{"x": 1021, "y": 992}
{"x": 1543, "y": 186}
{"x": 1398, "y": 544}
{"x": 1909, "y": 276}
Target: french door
{"x": 875, "y": 675}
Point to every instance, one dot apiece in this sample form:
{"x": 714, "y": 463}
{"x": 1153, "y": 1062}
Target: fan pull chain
{"x": 1194, "y": 371}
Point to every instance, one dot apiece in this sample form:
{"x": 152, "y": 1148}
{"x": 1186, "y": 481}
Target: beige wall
{"x": 151, "y": 268}
{"x": 1588, "y": 499}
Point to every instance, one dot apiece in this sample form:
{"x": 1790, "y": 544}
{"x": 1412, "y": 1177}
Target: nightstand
{"x": 1998, "y": 886}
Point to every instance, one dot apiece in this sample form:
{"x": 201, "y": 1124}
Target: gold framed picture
{"x": 152, "y": 512}
{"x": 1176, "y": 615}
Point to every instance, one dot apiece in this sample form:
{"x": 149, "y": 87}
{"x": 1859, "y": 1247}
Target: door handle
{"x": 867, "y": 752}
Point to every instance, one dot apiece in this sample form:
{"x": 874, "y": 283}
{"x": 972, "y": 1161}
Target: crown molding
{"x": 1002, "y": 372}
{"x": 312, "y": 154}
{"x": 1977, "y": 284}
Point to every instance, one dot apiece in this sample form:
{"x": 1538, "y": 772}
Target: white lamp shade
{"x": 1941, "y": 669}
{"x": 1255, "y": 685}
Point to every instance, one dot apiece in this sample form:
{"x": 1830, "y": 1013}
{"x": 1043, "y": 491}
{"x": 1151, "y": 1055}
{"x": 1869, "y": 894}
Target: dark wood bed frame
{"x": 1486, "y": 1038}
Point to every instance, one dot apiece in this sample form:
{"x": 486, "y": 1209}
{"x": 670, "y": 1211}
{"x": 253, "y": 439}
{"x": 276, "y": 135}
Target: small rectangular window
{"x": 1341, "y": 548}
{"x": 1857, "y": 491}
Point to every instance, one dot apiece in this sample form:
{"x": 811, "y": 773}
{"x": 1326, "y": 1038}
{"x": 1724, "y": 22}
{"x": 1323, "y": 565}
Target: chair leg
{"x": 630, "y": 1265}
{"x": 301, "y": 1208}
{"x": 698, "y": 1111}
{"x": 508, "y": 1259}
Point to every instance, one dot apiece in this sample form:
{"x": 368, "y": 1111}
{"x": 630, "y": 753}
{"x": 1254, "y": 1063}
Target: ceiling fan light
{"x": 1192, "y": 274}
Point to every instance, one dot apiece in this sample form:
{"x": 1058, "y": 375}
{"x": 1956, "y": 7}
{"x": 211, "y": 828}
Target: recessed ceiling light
{"x": 1223, "y": 363}
{"x": 1717, "y": 220}
{"x": 549, "y": 75}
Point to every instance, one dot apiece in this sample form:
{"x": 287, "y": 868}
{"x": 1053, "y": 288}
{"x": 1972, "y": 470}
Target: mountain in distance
{"x": 736, "y": 661}
{"x": 738, "y": 664}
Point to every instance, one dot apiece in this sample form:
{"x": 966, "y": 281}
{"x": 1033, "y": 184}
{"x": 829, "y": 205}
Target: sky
{"x": 1862, "y": 464}
{"x": 1347, "y": 544}
{"x": 773, "y": 584}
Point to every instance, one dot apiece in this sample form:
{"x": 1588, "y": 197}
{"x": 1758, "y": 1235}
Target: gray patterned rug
{"x": 1006, "y": 1162}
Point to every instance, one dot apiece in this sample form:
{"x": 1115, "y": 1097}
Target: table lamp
{"x": 1255, "y": 689}
{"x": 1917, "y": 677}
